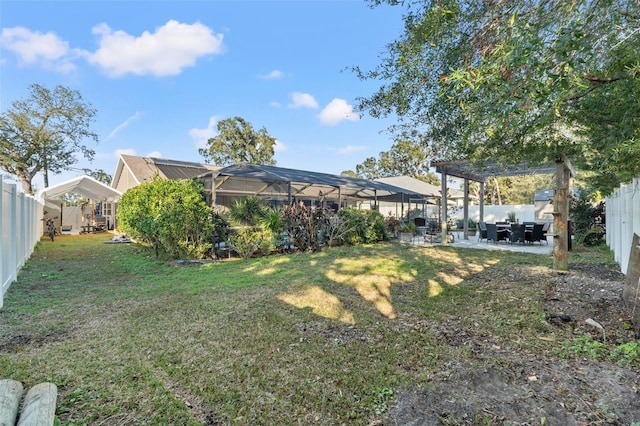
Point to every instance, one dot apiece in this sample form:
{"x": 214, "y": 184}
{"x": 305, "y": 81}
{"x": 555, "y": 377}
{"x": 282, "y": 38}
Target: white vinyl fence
{"x": 20, "y": 229}
{"x": 623, "y": 220}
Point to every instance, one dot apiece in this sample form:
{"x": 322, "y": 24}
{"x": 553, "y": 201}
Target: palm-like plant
{"x": 247, "y": 211}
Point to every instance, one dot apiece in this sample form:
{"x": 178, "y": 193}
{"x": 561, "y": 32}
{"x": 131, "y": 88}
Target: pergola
{"x": 469, "y": 171}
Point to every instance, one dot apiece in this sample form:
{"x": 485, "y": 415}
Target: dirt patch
{"x": 506, "y": 386}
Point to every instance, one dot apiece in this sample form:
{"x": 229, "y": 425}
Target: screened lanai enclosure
{"x": 278, "y": 186}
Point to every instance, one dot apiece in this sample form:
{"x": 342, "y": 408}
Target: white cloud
{"x": 303, "y": 100}
{"x": 336, "y": 111}
{"x": 275, "y": 104}
{"x": 350, "y": 149}
{"x": 273, "y": 75}
{"x": 122, "y": 125}
{"x": 155, "y": 154}
{"x": 167, "y": 51}
{"x": 279, "y": 146}
{"x": 35, "y": 48}
{"x": 200, "y": 136}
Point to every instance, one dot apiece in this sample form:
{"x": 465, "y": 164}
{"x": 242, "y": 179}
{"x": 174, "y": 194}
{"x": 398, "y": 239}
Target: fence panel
{"x": 623, "y": 220}
{"x": 20, "y": 228}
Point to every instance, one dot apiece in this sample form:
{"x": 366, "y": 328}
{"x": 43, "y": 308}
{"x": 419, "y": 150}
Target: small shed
{"x": 543, "y": 205}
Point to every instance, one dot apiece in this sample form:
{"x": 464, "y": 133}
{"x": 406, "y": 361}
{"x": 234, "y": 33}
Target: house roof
{"x": 83, "y": 185}
{"x": 265, "y": 181}
{"x": 144, "y": 169}
{"x": 421, "y": 187}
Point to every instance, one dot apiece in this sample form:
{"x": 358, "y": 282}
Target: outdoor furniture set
{"x": 523, "y": 233}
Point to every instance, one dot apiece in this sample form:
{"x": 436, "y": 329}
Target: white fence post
{"x": 20, "y": 230}
{"x": 623, "y": 220}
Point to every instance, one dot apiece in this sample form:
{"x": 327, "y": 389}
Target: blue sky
{"x": 161, "y": 74}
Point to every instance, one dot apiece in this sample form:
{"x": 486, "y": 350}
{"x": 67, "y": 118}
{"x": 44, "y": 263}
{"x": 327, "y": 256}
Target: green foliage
{"x": 44, "y": 133}
{"x": 272, "y": 220}
{"x": 238, "y": 142}
{"x": 392, "y": 223}
{"x": 99, "y": 175}
{"x": 406, "y": 157}
{"x": 245, "y": 241}
{"x": 220, "y": 225}
{"x": 247, "y": 211}
{"x": 382, "y": 399}
{"x": 626, "y": 353}
{"x": 408, "y": 227}
{"x": 585, "y": 216}
{"x": 534, "y": 81}
{"x": 305, "y": 226}
{"x": 584, "y": 345}
{"x": 364, "y": 226}
{"x": 169, "y": 214}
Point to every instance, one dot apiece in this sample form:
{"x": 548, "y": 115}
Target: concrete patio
{"x": 473, "y": 242}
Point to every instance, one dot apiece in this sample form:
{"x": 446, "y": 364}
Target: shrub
{"x": 585, "y": 220}
{"x": 393, "y": 224}
{"x": 272, "y": 220}
{"x": 247, "y": 211}
{"x": 245, "y": 241}
{"x": 169, "y": 214}
{"x": 363, "y": 226}
{"x": 408, "y": 227}
{"x": 305, "y": 226}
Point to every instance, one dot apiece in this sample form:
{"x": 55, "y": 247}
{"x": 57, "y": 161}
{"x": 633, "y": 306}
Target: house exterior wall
{"x": 126, "y": 181}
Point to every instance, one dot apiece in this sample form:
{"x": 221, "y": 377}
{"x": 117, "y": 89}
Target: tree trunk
{"x": 25, "y": 180}
{"x": 495, "y": 179}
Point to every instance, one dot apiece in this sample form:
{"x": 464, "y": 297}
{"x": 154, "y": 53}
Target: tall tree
{"x": 238, "y": 142}
{"x": 100, "y": 175}
{"x": 44, "y": 132}
{"x": 534, "y": 80}
{"x": 405, "y": 158}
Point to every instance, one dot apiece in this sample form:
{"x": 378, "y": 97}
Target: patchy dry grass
{"x": 319, "y": 339}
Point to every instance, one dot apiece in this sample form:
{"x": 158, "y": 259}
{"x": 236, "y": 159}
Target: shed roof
{"x": 83, "y": 185}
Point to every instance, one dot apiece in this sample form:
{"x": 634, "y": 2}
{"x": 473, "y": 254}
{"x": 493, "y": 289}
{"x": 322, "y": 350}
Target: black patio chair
{"x": 537, "y": 235}
{"x": 517, "y": 233}
{"x": 482, "y": 231}
{"x": 221, "y": 247}
{"x": 492, "y": 232}
{"x": 459, "y": 227}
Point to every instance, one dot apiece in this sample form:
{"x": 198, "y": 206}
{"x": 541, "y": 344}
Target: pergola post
{"x": 443, "y": 216}
{"x": 466, "y": 209}
{"x": 561, "y": 234}
{"x": 481, "y": 201}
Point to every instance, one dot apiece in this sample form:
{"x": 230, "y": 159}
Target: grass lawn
{"x": 324, "y": 339}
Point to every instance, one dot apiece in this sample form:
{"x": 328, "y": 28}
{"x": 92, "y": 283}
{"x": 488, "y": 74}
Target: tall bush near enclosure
{"x": 364, "y": 226}
{"x": 304, "y": 225}
{"x": 171, "y": 215}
